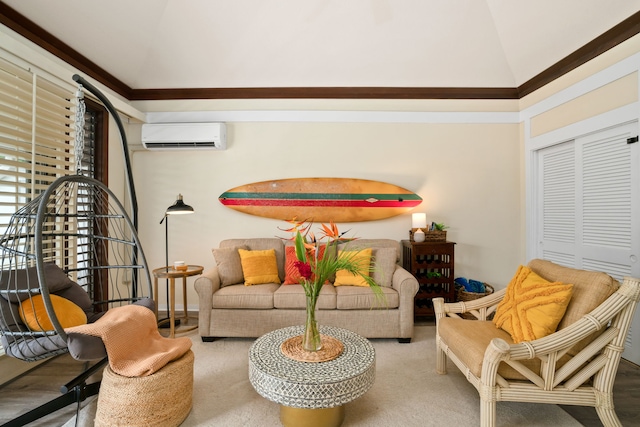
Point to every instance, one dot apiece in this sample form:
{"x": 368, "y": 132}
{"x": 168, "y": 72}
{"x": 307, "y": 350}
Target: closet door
{"x": 588, "y": 207}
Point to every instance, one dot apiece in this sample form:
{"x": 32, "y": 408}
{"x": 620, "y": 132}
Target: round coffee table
{"x": 311, "y": 393}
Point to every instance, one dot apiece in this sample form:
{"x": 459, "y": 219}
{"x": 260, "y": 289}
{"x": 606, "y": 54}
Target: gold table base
{"x": 302, "y": 417}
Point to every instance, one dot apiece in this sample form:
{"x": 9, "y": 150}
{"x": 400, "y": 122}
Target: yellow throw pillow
{"x": 34, "y": 314}
{"x": 362, "y": 259}
{"x": 532, "y": 306}
{"x": 259, "y": 267}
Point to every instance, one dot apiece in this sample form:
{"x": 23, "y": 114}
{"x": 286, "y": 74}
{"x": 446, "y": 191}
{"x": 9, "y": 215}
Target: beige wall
{"x": 469, "y": 176}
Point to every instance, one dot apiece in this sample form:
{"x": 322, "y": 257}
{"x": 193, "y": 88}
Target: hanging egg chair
{"x": 73, "y": 243}
{"x": 67, "y": 257}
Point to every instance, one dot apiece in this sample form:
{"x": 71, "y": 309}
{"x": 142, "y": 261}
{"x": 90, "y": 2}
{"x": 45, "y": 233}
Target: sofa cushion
{"x": 363, "y": 298}
{"x": 293, "y": 296}
{"x": 259, "y": 267}
{"x": 229, "y": 266}
{"x": 240, "y": 296}
{"x": 361, "y": 259}
{"x": 260, "y": 244}
{"x": 468, "y": 340}
{"x": 532, "y": 306}
{"x": 384, "y": 264}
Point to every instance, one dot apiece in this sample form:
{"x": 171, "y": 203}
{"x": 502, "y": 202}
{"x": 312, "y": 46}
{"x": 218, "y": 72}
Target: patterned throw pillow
{"x": 532, "y": 306}
{"x": 259, "y": 267}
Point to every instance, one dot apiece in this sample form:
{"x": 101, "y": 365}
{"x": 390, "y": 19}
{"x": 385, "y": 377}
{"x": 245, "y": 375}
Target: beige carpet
{"x": 407, "y": 391}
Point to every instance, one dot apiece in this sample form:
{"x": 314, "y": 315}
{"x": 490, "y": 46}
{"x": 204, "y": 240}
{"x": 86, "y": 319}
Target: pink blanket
{"x": 134, "y": 345}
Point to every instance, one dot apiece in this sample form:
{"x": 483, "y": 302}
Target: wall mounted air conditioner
{"x": 184, "y": 136}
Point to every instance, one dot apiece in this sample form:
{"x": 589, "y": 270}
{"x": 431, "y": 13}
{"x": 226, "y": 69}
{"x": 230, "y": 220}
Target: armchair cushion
{"x": 468, "y": 341}
{"x": 590, "y": 288}
{"x": 532, "y": 306}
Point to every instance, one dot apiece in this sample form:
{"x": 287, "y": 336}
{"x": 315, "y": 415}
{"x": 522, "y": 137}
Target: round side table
{"x": 171, "y": 274}
{"x": 311, "y": 394}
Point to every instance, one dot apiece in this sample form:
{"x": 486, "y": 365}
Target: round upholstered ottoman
{"x": 161, "y": 399}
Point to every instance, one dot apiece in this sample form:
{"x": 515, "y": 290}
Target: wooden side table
{"x": 432, "y": 263}
{"x": 171, "y": 274}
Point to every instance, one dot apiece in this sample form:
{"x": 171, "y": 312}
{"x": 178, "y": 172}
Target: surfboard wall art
{"x": 321, "y": 199}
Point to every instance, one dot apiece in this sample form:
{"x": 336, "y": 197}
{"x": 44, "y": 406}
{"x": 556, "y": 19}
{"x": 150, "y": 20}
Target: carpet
{"x": 407, "y": 391}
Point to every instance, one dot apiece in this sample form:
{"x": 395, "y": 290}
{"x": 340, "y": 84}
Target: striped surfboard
{"x": 321, "y": 199}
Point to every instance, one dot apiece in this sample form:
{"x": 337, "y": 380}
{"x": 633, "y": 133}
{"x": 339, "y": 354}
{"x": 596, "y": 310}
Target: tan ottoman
{"x": 162, "y": 399}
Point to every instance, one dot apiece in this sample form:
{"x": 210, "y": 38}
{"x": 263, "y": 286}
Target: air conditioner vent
{"x": 184, "y": 136}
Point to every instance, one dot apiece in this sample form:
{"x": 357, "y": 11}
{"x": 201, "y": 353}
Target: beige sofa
{"x": 228, "y": 308}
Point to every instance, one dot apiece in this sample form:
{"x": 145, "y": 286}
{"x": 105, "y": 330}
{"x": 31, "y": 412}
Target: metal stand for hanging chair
{"x": 77, "y": 226}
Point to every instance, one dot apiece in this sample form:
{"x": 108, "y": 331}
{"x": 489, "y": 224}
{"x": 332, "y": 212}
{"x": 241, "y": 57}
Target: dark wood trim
{"x": 102, "y": 140}
{"x": 326, "y": 93}
{"x": 31, "y": 31}
{"x": 28, "y": 29}
{"x": 618, "y": 34}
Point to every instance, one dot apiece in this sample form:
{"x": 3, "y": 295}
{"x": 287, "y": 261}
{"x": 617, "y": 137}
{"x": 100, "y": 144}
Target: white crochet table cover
{"x": 311, "y": 385}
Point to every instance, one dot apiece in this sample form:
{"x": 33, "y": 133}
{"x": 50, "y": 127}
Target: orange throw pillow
{"x": 291, "y": 273}
{"x": 34, "y": 314}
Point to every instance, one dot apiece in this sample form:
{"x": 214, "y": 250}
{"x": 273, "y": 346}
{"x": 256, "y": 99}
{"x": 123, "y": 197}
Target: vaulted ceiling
{"x": 186, "y": 44}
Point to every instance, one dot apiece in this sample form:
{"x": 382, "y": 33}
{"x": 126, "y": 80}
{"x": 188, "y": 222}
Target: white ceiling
{"x": 319, "y": 43}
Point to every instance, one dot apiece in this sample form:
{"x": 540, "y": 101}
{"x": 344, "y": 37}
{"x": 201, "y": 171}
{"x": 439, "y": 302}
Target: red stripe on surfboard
{"x": 322, "y": 203}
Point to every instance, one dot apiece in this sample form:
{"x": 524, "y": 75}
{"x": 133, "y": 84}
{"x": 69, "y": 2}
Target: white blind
{"x": 36, "y": 146}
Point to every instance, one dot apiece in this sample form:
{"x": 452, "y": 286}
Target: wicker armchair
{"x": 576, "y": 365}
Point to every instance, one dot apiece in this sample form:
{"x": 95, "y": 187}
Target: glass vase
{"x": 311, "y": 336}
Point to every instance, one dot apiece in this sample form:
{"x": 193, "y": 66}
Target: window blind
{"x": 36, "y": 146}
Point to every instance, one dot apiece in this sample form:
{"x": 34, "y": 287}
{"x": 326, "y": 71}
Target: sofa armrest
{"x": 407, "y": 287}
{"x": 404, "y": 282}
{"x": 206, "y": 285}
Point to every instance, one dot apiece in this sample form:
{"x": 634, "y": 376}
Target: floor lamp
{"x": 178, "y": 208}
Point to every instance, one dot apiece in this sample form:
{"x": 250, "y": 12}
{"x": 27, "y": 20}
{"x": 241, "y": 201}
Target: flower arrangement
{"x": 317, "y": 262}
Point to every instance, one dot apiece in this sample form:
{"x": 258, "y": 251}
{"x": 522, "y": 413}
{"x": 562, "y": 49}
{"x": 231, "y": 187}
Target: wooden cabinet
{"x": 432, "y": 264}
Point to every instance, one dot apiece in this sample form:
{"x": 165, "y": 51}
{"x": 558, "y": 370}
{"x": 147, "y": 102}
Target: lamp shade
{"x": 419, "y": 220}
{"x": 179, "y": 208}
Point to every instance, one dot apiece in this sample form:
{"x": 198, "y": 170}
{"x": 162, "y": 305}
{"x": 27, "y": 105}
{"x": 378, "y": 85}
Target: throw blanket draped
{"x": 134, "y": 346}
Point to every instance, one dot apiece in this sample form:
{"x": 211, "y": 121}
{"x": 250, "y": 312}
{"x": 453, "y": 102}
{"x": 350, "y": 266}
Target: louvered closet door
{"x": 588, "y": 207}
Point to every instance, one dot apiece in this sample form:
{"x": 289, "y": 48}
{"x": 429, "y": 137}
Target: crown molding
{"x": 326, "y": 93}
{"x": 609, "y": 39}
{"x": 31, "y": 31}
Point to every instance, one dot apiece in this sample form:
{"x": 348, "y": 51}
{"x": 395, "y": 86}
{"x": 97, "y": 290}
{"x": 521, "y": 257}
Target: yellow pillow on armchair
{"x": 532, "y": 307}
